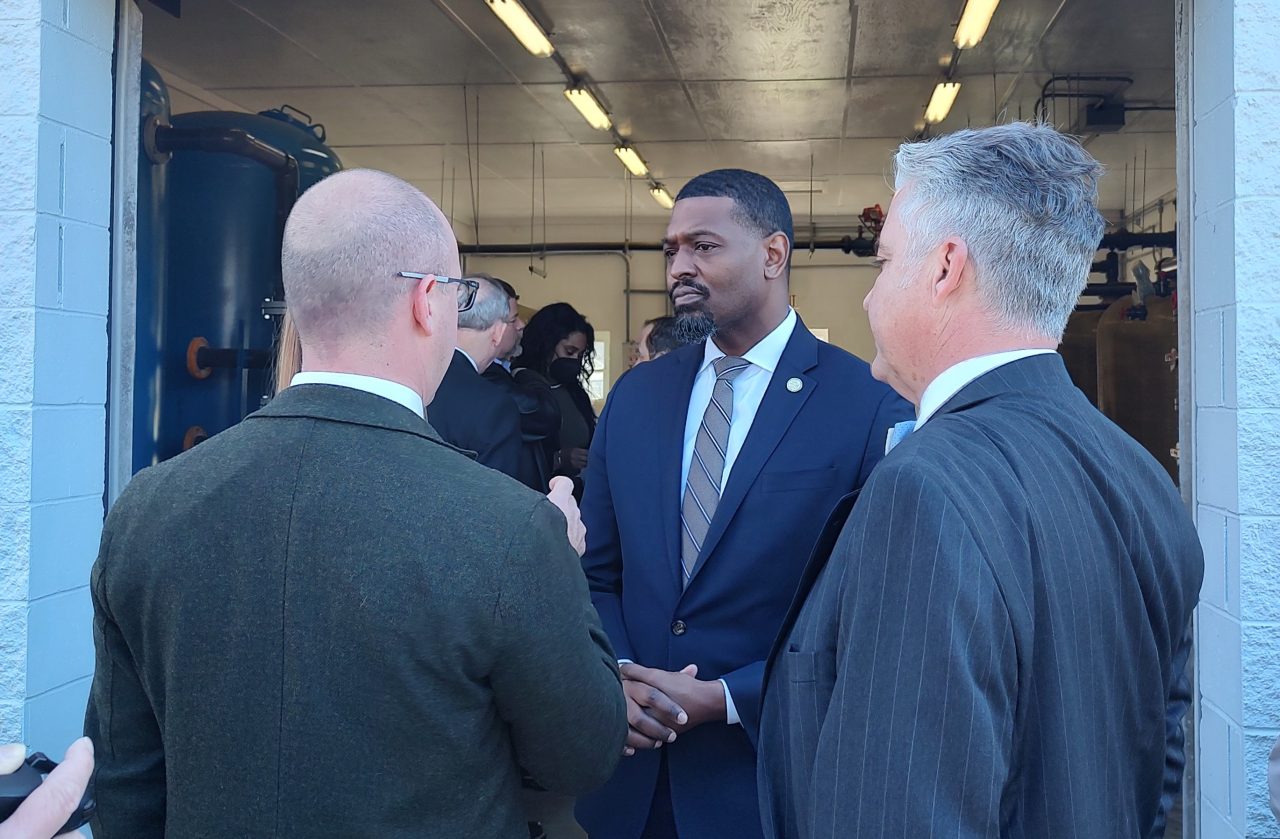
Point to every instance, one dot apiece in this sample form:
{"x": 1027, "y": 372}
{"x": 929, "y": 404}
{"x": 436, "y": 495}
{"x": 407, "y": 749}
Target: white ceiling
{"x": 770, "y": 85}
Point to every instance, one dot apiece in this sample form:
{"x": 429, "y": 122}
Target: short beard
{"x": 693, "y": 326}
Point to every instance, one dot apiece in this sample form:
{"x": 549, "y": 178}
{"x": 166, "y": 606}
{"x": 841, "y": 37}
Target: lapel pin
{"x": 794, "y": 385}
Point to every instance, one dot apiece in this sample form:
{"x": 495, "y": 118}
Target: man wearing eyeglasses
{"x": 468, "y": 411}
{"x": 326, "y": 621}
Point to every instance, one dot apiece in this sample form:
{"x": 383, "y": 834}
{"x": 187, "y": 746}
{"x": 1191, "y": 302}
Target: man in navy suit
{"x": 994, "y": 643}
{"x": 712, "y": 471}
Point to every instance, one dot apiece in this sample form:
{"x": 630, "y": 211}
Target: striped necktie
{"x": 706, "y": 469}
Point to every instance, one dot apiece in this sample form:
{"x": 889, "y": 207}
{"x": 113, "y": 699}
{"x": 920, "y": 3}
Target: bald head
{"x": 344, "y": 242}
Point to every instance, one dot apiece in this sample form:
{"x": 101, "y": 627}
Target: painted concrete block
{"x": 1212, "y": 137}
{"x": 1212, "y": 83}
{"x": 88, "y": 178}
{"x": 15, "y": 545}
{"x": 1260, "y": 569}
{"x": 20, "y": 10}
{"x": 1215, "y": 234}
{"x": 1257, "y": 249}
{"x": 1261, "y": 824}
{"x": 68, "y": 448}
{"x": 17, "y": 348}
{"x": 1231, "y": 358}
{"x": 59, "y": 640}
{"x": 1213, "y": 768}
{"x": 1216, "y": 455}
{"x": 51, "y": 168}
{"x": 55, "y": 719}
{"x": 11, "y": 721}
{"x": 1260, "y": 668}
{"x": 1258, "y": 353}
{"x": 1211, "y": 524}
{"x": 73, "y": 266}
{"x": 1257, "y": 145}
{"x": 1239, "y": 784}
{"x": 72, "y": 353}
{"x": 20, "y": 45}
{"x": 64, "y": 544}
{"x": 1220, "y": 681}
{"x": 90, "y": 20}
{"x": 18, "y": 258}
{"x": 75, "y": 81}
{"x": 1213, "y": 825}
{"x": 1209, "y": 354}
{"x": 15, "y": 455}
{"x": 1259, "y": 448}
{"x": 13, "y": 651}
{"x": 1257, "y": 31}
{"x": 19, "y": 137}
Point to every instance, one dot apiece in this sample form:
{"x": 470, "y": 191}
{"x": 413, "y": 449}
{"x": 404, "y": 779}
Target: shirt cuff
{"x": 730, "y": 710}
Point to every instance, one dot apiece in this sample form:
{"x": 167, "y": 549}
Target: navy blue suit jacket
{"x": 806, "y": 448}
{"x": 994, "y": 643}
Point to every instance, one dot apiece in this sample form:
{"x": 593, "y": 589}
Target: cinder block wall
{"x": 1235, "y": 109}
{"x": 55, "y": 245}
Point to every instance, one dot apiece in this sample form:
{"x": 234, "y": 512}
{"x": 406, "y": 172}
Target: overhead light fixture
{"x": 523, "y": 26}
{"x": 631, "y": 159}
{"x": 944, "y": 96}
{"x": 589, "y": 107}
{"x": 974, "y": 22}
{"x": 663, "y": 197}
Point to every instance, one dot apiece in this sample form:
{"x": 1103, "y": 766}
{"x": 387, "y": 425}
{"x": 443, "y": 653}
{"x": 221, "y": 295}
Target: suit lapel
{"x": 671, "y": 425}
{"x": 777, "y": 411}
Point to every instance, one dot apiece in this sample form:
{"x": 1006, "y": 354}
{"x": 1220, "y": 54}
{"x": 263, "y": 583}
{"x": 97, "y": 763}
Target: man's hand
{"x": 561, "y": 495}
{"x": 676, "y": 702}
{"x": 53, "y": 802}
{"x": 575, "y": 459}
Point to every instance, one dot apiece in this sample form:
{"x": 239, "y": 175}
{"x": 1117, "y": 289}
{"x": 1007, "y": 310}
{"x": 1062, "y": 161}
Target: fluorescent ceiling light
{"x": 663, "y": 197}
{"x": 974, "y": 22}
{"x": 817, "y": 186}
{"x": 523, "y": 26}
{"x": 589, "y": 108}
{"x": 631, "y": 159}
{"x": 944, "y": 96}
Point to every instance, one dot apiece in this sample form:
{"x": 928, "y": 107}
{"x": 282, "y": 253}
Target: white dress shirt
{"x": 468, "y": 357}
{"x": 396, "y": 392}
{"x": 952, "y": 380}
{"x": 748, "y": 393}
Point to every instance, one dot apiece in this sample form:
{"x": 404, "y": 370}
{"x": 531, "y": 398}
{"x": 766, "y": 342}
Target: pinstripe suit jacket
{"x": 996, "y": 638}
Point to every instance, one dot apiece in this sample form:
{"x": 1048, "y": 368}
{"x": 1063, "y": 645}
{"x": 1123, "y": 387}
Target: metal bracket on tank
{"x": 149, "y": 130}
{"x": 272, "y": 309}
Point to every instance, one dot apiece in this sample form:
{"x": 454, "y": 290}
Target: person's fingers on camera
{"x": 11, "y": 757}
{"x": 48, "y": 808}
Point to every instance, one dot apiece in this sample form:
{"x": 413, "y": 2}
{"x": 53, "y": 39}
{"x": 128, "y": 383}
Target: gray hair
{"x": 1023, "y": 197}
{"x": 491, "y": 305}
{"x": 344, "y": 242}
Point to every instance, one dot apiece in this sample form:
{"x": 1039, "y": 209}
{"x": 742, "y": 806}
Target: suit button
{"x": 678, "y": 628}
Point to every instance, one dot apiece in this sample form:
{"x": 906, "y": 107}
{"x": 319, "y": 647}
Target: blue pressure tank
{"x": 227, "y": 195}
{"x": 152, "y": 251}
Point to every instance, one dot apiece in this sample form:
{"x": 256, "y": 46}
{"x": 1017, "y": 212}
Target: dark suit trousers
{"x": 662, "y": 817}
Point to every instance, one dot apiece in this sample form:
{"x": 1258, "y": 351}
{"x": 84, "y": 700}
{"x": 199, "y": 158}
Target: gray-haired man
{"x": 992, "y": 644}
{"x": 469, "y": 411}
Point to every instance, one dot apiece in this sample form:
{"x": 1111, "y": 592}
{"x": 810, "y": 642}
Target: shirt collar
{"x": 765, "y": 354}
{"x": 952, "y": 380}
{"x": 468, "y": 357}
{"x": 394, "y": 391}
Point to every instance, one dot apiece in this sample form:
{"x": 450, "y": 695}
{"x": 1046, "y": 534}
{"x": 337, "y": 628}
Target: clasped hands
{"x": 661, "y": 705}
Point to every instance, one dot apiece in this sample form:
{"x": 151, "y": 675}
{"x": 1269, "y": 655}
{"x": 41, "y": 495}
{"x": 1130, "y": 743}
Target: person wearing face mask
{"x": 558, "y": 346}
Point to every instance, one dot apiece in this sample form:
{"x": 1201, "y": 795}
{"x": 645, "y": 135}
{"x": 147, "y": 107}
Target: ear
{"x": 777, "y": 253}
{"x": 951, "y": 260}
{"x": 423, "y": 306}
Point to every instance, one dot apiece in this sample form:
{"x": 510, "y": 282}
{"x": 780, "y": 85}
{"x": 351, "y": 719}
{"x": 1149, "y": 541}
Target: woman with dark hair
{"x": 559, "y": 346}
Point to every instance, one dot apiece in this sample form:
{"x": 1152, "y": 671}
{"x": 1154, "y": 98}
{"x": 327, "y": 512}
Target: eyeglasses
{"x": 466, "y": 288}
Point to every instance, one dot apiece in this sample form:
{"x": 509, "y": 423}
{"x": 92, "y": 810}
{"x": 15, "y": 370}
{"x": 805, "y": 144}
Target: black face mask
{"x": 566, "y": 371}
